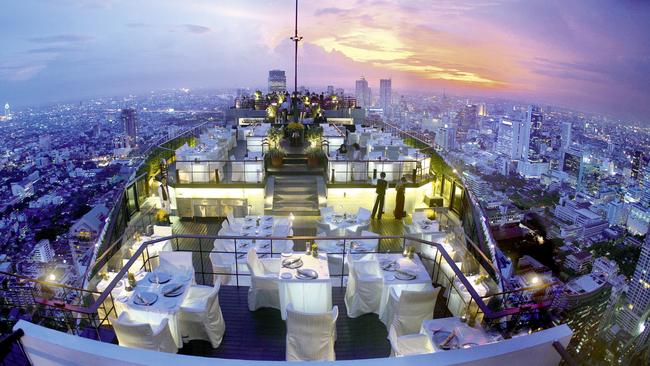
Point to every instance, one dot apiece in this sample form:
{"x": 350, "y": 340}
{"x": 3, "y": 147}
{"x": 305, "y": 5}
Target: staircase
{"x": 297, "y": 194}
{"x": 294, "y": 164}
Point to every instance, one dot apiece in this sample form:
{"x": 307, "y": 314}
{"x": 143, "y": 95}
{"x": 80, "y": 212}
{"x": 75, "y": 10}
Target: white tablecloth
{"x": 153, "y": 250}
{"x": 164, "y": 307}
{"x": 458, "y": 300}
{"x": 309, "y": 296}
{"x": 420, "y": 283}
{"x": 464, "y": 333}
{"x": 339, "y": 221}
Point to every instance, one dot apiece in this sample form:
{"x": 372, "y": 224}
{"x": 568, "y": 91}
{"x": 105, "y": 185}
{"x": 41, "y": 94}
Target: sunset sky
{"x": 591, "y": 55}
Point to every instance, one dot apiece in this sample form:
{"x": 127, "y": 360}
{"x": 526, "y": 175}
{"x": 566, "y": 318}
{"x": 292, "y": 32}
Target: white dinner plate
{"x": 286, "y": 275}
{"x": 390, "y": 277}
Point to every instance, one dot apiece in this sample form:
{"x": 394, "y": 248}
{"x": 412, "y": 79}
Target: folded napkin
{"x": 406, "y": 273}
{"x": 310, "y": 273}
{"x": 173, "y": 290}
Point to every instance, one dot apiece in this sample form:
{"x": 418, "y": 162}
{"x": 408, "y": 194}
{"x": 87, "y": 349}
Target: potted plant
{"x": 276, "y": 155}
{"x": 274, "y": 136}
{"x": 314, "y": 156}
{"x": 162, "y": 217}
{"x": 296, "y": 132}
{"x": 314, "y": 136}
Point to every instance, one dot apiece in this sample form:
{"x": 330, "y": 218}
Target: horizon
{"x": 547, "y": 52}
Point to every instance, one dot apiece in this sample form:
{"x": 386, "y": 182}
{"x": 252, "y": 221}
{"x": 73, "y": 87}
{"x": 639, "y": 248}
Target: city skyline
{"x": 559, "y": 53}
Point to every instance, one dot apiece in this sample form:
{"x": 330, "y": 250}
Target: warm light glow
{"x": 51, "y": 277}
{"x": 535, "y": 280}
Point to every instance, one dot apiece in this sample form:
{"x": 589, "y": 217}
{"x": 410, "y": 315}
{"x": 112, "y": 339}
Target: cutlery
{"x": 173, "y": 290}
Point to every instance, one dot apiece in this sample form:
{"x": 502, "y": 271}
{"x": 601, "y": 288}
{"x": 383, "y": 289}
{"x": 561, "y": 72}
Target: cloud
{"x": 19, "y": 72}
{"x": 54, "y": 49}
{"x": 328, "y": 11}
{"x": 196, "y": 29}
{"x": 61, "y": 38}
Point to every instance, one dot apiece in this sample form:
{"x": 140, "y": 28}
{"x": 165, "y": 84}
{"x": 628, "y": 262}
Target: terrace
{"x": 449, "y": 252}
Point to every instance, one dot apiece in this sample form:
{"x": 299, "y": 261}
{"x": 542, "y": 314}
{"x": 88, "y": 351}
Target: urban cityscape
{"x": 405, "y": 218}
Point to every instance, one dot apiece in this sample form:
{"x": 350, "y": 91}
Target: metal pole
{"x": 295, "y": 39}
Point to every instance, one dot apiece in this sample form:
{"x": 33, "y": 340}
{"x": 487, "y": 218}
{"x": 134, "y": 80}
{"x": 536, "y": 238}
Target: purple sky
{"x": 590, "y": 55}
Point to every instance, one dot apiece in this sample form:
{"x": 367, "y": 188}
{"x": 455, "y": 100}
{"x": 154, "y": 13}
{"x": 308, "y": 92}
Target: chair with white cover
{"x": 327, "y": 210}
{"x": 162, "y": 231}
{"x": 368, "y": 241}
{"x": 363, "y": 292}
{"x": 282, "y": 221}
{"x": 363, "y": 214}
{"x": 177, "y": 262}
{"x": 406, "y": 311}
{"x": 133, "y": 334}
{"x": 311, "y": 337}
{"x": 280, "y": 246}
{"x": 200, "y": 315}
{"x": 263, "y": 292}
{"x": 222, "y": 271}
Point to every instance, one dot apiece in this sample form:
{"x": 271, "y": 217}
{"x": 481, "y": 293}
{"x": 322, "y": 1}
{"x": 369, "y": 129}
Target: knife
{"x": 173, "y": 290}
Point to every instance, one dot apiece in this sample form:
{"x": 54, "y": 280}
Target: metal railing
{"x": 366, "y": 171}
{"x": 217, "y": 171}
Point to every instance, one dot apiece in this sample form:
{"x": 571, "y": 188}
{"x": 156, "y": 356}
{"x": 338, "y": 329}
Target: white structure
{"x": 42, "y": 251}
{"x": 513, "y": 137}
{"x": 446, "y": 138}
{"x": 363, "y": 93}
{"x": 385, "y": 94}
{"x": 638, "y": 220}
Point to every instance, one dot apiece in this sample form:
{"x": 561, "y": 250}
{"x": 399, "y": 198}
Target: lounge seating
{"x": 200, "y": 315}
{"x": 311, "y": 337}
{"x": 133, "y": 334}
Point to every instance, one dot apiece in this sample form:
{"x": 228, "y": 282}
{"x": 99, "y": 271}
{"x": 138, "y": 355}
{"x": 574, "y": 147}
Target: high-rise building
{"x": 482, "y": 110}
{"x": 277, "y": 81}
{"x": 637, "y": 162}
{"x": 385, "y": 95}
{"x": 536, "y": 119}
{"x": 42, "y": 251}
{"x": 565, "y": 135}
{"x": 467, "y": 117}
{"x": 330, "y": 90}
{"x": 363, "y": 93}
{"x": 130, "y": 121}
{"x": 446, "y": 138}
{"x": 513, "y": 138}
{"x": 645, "y": 186}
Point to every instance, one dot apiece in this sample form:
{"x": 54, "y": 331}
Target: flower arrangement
{"x": 162, "y": 216}
{"x": 409, "y": 252}
{"x": 314, "y": 249}
{"x": 314, "y": 135}
{"x": 295, "y": 126}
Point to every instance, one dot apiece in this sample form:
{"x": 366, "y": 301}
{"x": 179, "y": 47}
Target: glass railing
{"x": 341, "y": 170}
{"x": 217, "y": 171}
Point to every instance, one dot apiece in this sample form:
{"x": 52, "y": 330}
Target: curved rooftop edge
{"x": 50, "y": 347}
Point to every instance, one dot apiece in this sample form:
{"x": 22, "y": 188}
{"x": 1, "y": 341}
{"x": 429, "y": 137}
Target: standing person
{"x": 399, "y": 199}
{"x": 382, "y": 184}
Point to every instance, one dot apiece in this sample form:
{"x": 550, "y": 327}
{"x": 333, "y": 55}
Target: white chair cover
{"x": 405, "y": 312}
{"x": 237, "y": 168}
{"x": 221, "y": 270}
{"x": 132, "y": 334}
{"x": 311, "y": 337}
{"x": 162, "y": 231}
{"x": 264, "y": 281}
{"x": 280, "y": 246}
{"x": 176, "y": 260}
{"x": 326, "y": 210}
{"x": 363, "y": 214}
{"x": 363, "y": 293}
{"x": 200, "y": 315}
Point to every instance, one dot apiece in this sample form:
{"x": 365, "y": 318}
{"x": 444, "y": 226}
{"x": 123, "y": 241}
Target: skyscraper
{"x": 513, "y": 138}
{"x": 536, "y": 119}
{"x": 362, "y": 93}
{"x": 467, "y": 118}
{"x": 637, "y": 161}
{"x": 130, "y": 122}
{"x": 277, "y": 81}
{"x": 385, "y": 95}
{"x": 645, "y": 185}
{"x": 565, "y": 135}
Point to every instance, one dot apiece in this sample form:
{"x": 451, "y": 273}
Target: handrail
{"x": 566, "y": 357}
{"x": 46, "y": 283}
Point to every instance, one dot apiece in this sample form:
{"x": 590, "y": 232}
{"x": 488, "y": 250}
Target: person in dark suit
{"x": 382, "y": 184}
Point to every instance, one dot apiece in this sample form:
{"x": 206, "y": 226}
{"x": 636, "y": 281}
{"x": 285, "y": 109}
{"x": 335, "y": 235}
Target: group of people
{"x": 356, "y": 151}
{"x": 300, "y": 107}
{"x": 400, "y": 197}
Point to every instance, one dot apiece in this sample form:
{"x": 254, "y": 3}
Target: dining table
{"x": 464, "y": 336}
{"x": 401, "y": 273}
{"x": 304, "y": 282}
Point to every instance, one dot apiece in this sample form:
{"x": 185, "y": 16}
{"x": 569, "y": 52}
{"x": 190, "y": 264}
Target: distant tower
{"x": 565, "y": 135}
{"x": 130, "y": 122}
{"x": 362, "y": 92}
{"x": 7, "y": 110}
{"x": 277, "y": 81}
{"x": 385, "y": 95}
